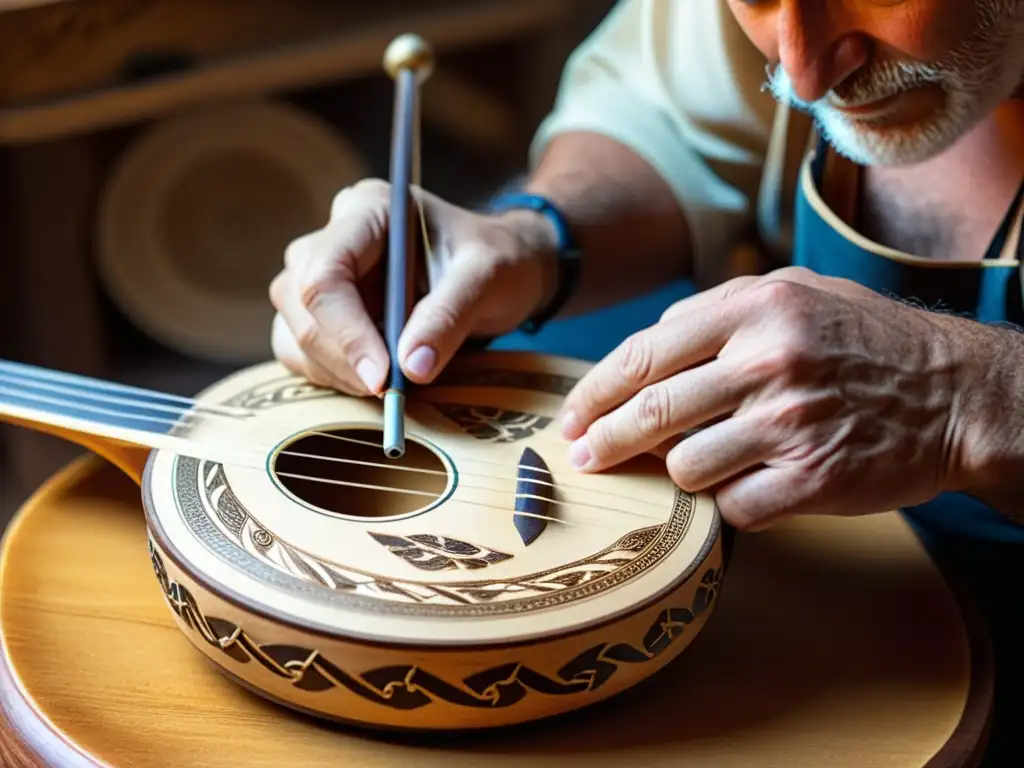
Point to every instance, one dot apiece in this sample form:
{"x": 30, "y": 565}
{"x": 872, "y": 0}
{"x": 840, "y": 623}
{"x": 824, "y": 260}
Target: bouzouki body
{"x": 476, "y": 582}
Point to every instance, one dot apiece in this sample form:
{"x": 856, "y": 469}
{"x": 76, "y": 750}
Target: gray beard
{"x": 984, "y": 70}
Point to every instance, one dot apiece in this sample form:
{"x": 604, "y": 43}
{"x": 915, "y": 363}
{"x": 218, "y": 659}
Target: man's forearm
{"x": 988, "y": 424}
{"x": 625, "y": 217}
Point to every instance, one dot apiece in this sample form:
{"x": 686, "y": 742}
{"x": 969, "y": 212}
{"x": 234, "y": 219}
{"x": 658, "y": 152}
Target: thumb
{"x": 443, "y": 320}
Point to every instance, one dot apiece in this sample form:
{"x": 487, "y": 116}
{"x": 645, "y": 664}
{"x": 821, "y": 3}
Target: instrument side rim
{"x": 713, "y": 541}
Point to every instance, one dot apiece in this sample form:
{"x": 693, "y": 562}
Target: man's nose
{"x": 819, "y": 46}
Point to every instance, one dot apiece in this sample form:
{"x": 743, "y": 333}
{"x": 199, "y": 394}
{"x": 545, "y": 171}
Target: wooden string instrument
{"x": 475, "y": 581}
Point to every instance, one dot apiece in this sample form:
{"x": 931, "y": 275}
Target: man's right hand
{"x": 493, "y": 273}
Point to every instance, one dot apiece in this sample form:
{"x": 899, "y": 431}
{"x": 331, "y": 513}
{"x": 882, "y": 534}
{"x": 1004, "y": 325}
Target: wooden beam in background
{"x": 353, "y": 53}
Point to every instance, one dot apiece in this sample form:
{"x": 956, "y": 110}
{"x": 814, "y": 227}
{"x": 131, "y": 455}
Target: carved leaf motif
{"x": 450, "y": 546}
{"x": 494, "y": 425}
{"x": 638, "y": 540}
{"x": 439, "y": 553}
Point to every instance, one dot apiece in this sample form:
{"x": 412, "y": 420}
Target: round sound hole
{"x": 345, "y": 472}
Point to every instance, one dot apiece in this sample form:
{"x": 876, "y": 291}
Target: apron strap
{"x": 1008, "y": 244}
{"x": 1008, "y": 233}
{"x": 793, "y": 137}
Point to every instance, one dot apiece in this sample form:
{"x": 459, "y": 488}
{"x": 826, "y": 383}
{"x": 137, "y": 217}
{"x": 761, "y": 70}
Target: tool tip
{"x": 410, "y": 52}
{"x": 394, "y": 424}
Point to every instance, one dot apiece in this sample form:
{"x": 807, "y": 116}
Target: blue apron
{"x": 985, "y": 547}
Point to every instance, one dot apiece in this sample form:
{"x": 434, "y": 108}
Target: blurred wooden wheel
{"x": 195, "y": 218}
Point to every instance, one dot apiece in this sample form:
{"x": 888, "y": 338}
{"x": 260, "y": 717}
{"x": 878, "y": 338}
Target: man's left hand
{"x": 784, "y": 394}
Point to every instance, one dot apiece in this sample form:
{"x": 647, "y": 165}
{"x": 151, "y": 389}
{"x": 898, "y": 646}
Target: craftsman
{"x": 874, "y": 148}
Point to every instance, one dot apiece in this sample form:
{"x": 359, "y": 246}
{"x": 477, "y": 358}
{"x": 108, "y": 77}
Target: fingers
{"x": 325, "y": 317}
{"x": 324, "y": 324}
{"x": 658, "y": 414}
{"x": 441, "y": 322}
{"x": 710, "y": 297}
{"x": 721, "y": 452}
{"x": 322, "y": 297}
{"x": 764, "y": 497}
{"x": 622, "y": 406}
{"x": 342, "y": 336}
{"x": 286, "y": 349}
{"x": 645, "y": 358}
{"x": 746, "y": 284}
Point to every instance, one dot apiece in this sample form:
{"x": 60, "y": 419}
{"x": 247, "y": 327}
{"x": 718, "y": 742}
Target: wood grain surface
{"x": 836, "y": 642}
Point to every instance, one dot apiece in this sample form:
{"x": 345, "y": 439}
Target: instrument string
{"x": 187, "y": 414}
{"x": 77, "y": 385}
{"x": 536, "y": 515}
{"x": 187, "y": 405}
{"x": 432, "y": 495}
{"x": 526, "y": 467}
{"x": 259, "y": 460}
{"x": 184, "y": 416}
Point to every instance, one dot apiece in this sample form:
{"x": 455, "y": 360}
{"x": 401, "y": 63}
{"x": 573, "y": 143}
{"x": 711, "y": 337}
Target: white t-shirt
{"x": 679, "y": 83}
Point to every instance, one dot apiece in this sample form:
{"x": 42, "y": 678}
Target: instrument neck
{"x": 118, "y": 422}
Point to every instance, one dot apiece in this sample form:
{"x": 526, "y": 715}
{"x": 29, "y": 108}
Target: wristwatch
{"x": 567, "y": 251}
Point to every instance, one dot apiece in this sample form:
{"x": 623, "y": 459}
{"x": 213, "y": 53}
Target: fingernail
{"x": 579, "y": 454}
{"x": 570, "y": 426}
{"x": 366, "y": 370}
{"x": 421, "y": 361}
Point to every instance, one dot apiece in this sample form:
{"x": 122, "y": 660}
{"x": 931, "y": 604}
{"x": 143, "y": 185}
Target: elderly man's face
{"x": 890, "y": 81}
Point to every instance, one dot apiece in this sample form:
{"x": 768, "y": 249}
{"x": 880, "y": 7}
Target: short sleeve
{"x": 678, "y": 82}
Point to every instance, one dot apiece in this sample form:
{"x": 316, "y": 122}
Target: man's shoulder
{"x": 679, "y": 82}
{"x": 707, "y": 64}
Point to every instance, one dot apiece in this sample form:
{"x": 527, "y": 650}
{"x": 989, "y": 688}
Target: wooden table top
{"x": 835, "y": 642}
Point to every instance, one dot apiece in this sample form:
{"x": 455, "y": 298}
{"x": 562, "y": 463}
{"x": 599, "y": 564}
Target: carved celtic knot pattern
{"x": 495, "y": 425}
{"x": 410, "y": 687}
{"x": 439, "y": 553}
